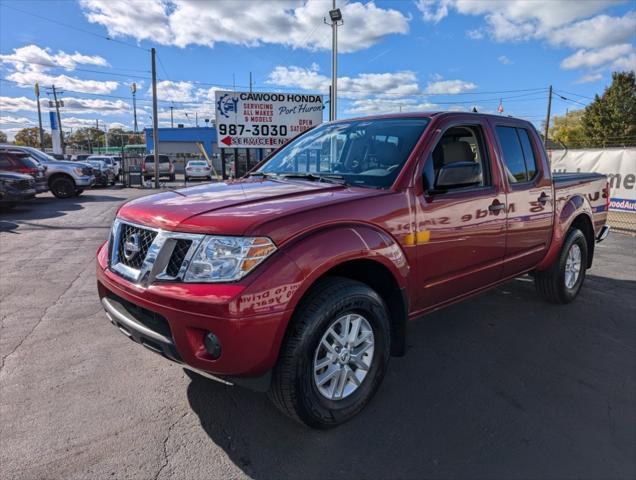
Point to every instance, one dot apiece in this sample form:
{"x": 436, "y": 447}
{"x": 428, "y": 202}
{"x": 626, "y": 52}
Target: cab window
{"x": 464, "y": 143}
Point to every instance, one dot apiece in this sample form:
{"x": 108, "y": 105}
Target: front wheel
{"x": 562, "y": 282}
{"x": 63, "y": 187}
{"x": 335, "y": 354}
{"x": 79, "y": 191}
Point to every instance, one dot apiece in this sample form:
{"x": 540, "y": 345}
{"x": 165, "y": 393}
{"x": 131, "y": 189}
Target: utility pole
{"x": 336, "y": 20}
{"x": 171, "y": 117}
{"x": 37, "y": 99}
{"x": 59, "y": 120}
{"x": 155, "y": 120}
{"x": 133, "y": 89}
{"x": 97, "y": 132}
{"x": 547, "y": 118}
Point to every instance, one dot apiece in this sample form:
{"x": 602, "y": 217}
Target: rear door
{"x": 460, "y": 233}
{"x": 530, "y": 206}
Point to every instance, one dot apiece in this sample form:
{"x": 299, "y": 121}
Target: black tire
{"x": 551, "y": 283}
{"x": 62, "y": 187}
{"x": 293, "y": 388}
{"x": 79, "y": 191}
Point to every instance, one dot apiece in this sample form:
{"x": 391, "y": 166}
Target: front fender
{"x": 565, "y": 216}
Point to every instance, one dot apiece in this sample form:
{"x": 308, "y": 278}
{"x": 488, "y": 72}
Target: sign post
{"x": 264, "y": 120}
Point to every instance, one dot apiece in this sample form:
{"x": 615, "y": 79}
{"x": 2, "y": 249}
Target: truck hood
{"x": 234, "y": 208}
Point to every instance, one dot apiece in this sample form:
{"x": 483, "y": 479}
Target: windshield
{"x": 40, "y": 156}
{"x": 95, "y": 163}
{"x": 366, "y": 153}
{"x": 197, "y": 164}
{"x": 162, "y": 159}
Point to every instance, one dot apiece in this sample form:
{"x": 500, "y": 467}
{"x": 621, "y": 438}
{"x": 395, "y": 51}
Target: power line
{"x": 73, "y": 27}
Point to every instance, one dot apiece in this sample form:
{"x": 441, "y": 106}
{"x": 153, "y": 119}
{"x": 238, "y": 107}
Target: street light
{"x": 336, "y": 20}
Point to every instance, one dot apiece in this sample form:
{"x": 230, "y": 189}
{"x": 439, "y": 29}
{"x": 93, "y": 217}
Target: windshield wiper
{"x": 338, "y": 179}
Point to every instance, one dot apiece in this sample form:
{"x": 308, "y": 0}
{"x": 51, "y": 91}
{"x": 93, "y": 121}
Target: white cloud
{"x": 590, "y": 77}
{"x": 283, "y": 22}
{"x": 390, "y": 83}
{"x": 559, "y": 23}
{"x": 596, "y": 58}
{"x": 628, "y": 62}
{"x": 505, "y": 60}
{"x": 17, "y": 104}
{"x": 370, "y": 106}
{"x": 34, "y": 57}
{"x": 32, "y": 64}
{"x": 450, "y": 87}
{"x": 596, "y": 32}
{"x": 10, "y": 120}
{"x": 174, "y": 91}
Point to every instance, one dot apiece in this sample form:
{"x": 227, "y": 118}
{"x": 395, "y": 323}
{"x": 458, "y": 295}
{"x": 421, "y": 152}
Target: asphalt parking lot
{"x": 502, "y": 386}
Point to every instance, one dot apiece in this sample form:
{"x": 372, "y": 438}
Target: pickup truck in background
{"x": 301, "y": 278}
{"x": 65, "y": 179}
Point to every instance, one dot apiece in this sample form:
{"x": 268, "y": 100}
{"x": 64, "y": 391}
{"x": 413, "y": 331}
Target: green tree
{"x": 30, "y": 137}
{"x": 3, "y": 137}
{"x": 568, "y": 129}
{"x": 86, "y": 138}
{"x": 610, "y": 120}
{"x": 117, "y": 137}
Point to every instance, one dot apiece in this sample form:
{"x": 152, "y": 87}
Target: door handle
{"x": 543, "y": 198}
{"x": 496, "y": 206}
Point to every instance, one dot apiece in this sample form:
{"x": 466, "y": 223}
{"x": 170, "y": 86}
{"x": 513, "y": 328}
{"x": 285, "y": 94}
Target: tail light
{"x": 606, "y": 195}
{"x": 28, "y": 170}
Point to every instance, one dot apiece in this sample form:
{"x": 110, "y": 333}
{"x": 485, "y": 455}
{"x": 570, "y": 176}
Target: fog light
{"x": 212, "y": 345}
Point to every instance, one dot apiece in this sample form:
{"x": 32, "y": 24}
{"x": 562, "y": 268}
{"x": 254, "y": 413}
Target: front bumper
{"x": 41, "y": 186}
{"x": 603, "y": 233}
{"x": 86, "y": 181}
{"x": 172, "y": 319}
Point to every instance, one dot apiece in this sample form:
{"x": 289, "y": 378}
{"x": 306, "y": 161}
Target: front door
{"x": 460, "y": 229}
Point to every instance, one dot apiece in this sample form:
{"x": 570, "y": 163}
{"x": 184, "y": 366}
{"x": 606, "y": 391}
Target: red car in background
{"x": 24, "y": 163}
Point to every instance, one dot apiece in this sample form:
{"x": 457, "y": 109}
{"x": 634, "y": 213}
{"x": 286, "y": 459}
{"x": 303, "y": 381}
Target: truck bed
{"x": 590, "y": 186}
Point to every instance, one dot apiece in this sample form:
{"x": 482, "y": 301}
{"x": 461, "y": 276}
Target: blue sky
{"x": 396, "y": 55}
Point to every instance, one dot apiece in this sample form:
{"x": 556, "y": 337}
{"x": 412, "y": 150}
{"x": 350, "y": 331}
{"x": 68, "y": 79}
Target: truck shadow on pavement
{"x": 500, "y": 386}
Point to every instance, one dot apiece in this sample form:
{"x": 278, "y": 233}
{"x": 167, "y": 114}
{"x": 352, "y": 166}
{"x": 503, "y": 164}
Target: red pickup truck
{"x": 300, "y": 278}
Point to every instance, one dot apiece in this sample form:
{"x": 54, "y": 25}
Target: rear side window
{"x": 28, "y": 161}
{"x": 5, "y": 161}
{"x": 519, "y": 159}
{"x": 528, "y": 153}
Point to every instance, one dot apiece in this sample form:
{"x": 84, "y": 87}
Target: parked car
{"x": 166, "y": 167}
{"x": 301, "y": 277}
{"x": 15, "y": 188}
{"x": 109, "y": 162}
{"x": 24, "y": 163}
{"x": 104, "y": 175}
{"x": 80, "y": 157}
{"x": 65, "y": 179}
{"x": 118, "y": 167}
{"x": 198, "y": 169}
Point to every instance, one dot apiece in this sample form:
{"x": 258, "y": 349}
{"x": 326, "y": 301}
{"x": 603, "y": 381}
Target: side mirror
{"x": 458, "y": 174}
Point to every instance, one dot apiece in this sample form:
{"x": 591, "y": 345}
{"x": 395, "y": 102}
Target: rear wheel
{"x": 562, "y": 282}
{"x": 335, "y": 354}
{"x": 63, "y": 187}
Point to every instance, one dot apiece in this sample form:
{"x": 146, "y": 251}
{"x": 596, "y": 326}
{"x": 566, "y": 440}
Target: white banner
{"x": 619, "y": 164}
{"x": 55, "y": 133}
{"x": 264, "y": 120}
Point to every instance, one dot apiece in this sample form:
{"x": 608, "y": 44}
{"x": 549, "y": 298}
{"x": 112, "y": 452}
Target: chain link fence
{"x": 622, "y": 221}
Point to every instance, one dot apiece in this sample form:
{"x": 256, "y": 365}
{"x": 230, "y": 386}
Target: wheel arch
{"x": 57, "y": 175}
{"x": 359, "y": 253}
{"x": 576, "y": 212}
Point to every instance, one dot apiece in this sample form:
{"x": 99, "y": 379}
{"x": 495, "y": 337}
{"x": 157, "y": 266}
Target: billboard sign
{"x": 264, "y": 120}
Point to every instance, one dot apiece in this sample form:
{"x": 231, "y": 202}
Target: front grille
{"x": 146, "y": 237}
{"x": 178, "y": 255}
{"x": 87, "y": 170}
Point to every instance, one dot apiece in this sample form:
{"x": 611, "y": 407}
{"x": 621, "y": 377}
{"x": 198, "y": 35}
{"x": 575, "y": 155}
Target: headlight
{"x": 78, "y": 171}
{"x": 227, "y": 259}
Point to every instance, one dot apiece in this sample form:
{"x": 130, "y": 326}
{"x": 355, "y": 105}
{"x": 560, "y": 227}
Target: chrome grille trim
{"x": 155, "y": 263}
